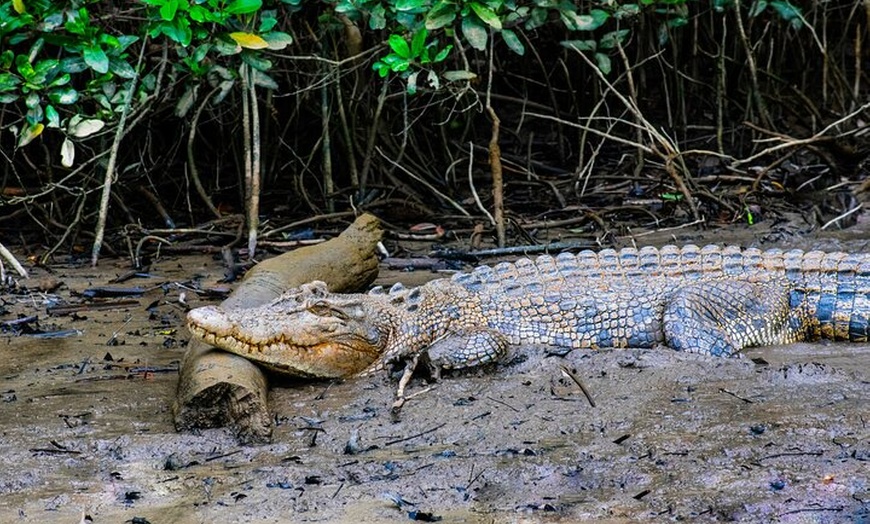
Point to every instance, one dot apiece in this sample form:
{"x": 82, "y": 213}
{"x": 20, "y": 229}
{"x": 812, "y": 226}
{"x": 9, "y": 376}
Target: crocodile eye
{"x": 323, "y": 309}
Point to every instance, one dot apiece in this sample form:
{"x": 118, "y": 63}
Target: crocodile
{"x": 710, "y": 300}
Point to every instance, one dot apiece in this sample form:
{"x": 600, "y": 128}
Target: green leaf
{"x": 125, "y": 41}
{"x": 8, "y": 82}
{"x": 406, "y": 19}
{"x": 263, "y": 80}
{"x": 121, "y": 68}
{"x": 7, "y": 58}
{"x": 24, "y": 67}
{"x": 104, "y": 102}
{"x": 409, "y": 6}
{"x": 590, "y": 22}
{"x": 538, "y": 18}
{"x": 378, "y": 18}
{"x": 168, "y": 10}
{"x": 202, "y": 15}
{"x": 486, "y": 14}
{"x": 73, "y": 64}
{"x": 418, "y": 42}
{"x": 441, "y": 15}
{"x": 32, "y": 100}
{"x": 277, "y": 40}
{"x": 603, "y": 62}
{"x": 382, "y": 68}
{"x": 474, "y": 32}
{"x": 399, "y": 46}
{"x": 96, "y": 59}
{"x": 77, "y": 21}
{"x": 52, "y": 116}
{"x": 580, "y": 45}
{"x": 63, "y": 96}
{"x": 611, "y": 39}
{"x": 44, "y": 70}
{"x": 443, "y": 54}
{"x": 200, "y": 53}
{"x": 35, "y": 114}
{"x": 227, "y": 47}
{"x": 267, "y": 21}
{"x": 178, "y": 31}
{"x": 679, "y": 21}
{"x": 396, "y": 63}
{"x": 256, "y": 61}
{"x": 626, "y": 11}
{"x": 513, "y": 42}
{"x": 347, "y": 7}
{"x": 108, "y": 41}
{"x": 240, "y": 7}
{"x": 51, "y": 22}
{"x": 61, "y": 80}
{"x": 788, "y": 12}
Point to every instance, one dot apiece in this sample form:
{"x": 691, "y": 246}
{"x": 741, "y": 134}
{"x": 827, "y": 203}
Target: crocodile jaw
{"x": 253, "y": 335}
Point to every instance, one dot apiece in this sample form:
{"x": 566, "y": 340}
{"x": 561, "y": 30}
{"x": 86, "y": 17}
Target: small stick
{"x": 420, "y": 434}
{"x": 567, "y": 372}
{"x": 503, "y": 403}
{"x": 841, "y": 217}
{"x": 735, "y": 395}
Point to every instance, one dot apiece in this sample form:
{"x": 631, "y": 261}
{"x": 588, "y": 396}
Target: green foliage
{"x": 59, "y": 62}
{"x": 597, "y": 27}
{"x": 59, "y": 58}
{"x": 403, "y": 56}
{"x": 47, "y": 47}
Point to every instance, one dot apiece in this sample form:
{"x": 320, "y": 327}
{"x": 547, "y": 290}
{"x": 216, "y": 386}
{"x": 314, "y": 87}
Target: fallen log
{"x": 217, "y": 389}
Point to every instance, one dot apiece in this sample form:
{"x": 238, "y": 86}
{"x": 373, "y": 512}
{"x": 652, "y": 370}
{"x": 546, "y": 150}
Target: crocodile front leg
{"x": 723, "y": 316}
{"x": 466, "y": 347}
{"x": 457, "y": 349}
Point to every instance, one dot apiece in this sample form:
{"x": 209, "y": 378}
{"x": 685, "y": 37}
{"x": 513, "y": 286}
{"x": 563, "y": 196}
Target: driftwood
{"x": 217, "y": 389}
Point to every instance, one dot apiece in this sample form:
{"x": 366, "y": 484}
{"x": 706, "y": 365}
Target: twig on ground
{"x": 576, "y": 380}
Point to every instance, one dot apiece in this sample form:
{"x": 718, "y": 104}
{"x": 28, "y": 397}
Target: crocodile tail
{"x": 835, "y": 287}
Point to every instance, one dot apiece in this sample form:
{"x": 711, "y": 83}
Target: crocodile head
{"x": 306, "y": 332}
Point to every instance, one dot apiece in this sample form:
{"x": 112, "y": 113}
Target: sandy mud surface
{"x": 86, "y": 429}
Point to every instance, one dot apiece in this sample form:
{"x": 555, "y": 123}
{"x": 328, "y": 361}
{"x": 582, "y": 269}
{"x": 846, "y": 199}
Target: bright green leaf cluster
{"x": 403, "y": 54}
{"x": 49, "y": 45}
{"x": 58, "y": 59}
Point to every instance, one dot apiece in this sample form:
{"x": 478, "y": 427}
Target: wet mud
{"x": 781, "y": 435}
